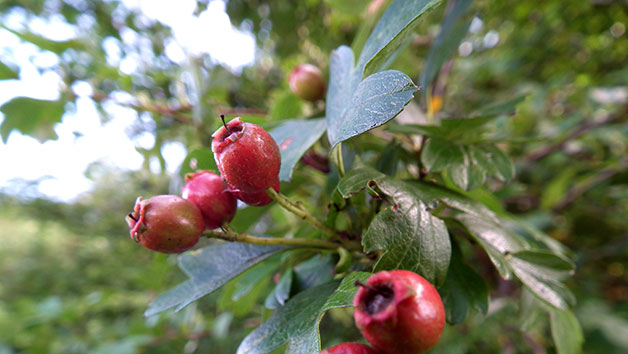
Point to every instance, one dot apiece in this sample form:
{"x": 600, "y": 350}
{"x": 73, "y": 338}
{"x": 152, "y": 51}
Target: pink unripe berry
{"x": 165, "y": 223}
{"x": 210, "y": 194}
{"x": 306, "y": 81}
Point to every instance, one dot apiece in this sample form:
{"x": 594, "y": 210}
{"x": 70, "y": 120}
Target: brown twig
{"x": 579, "y": 189}
{"x": 580, "y": 130}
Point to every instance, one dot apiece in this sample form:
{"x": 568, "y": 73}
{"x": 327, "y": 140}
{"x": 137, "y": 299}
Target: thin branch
{"x": 299, "y": 210}
{"x": 582, "y": 187}
{"x": 231, "y": 236}
{"x": 580, "y": 130}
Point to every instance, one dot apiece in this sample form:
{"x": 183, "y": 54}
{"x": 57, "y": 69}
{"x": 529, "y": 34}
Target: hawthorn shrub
{"x": 387, "y": 194}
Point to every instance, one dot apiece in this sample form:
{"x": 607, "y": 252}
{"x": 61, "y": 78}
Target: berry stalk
{"x": 232, "y": 236}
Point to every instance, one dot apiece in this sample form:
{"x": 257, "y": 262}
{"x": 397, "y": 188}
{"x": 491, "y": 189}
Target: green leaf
{"x": 470, "y": 174}
{"x": 296, "y": 323}
{"x": 358, "y": 179}
{"x": 496, "y": 241}
{"x": 417, "y": 129}
{"x": 439, "y": 154}
{"x": 467, "y": 165}
{"x": 501, "y": 165}
{"x": 431, "y": 193}
{"x": 541, "y": 272}
{"x": 210, "y": 268}
{"x": 294, "y": 137}
{"x": 315, "y": 271}
{"x": 341, "y": 86}
{"x": 449, "y": 38}
{"x": 281, "y": 292}
{"x": 506, "y": 108}
{"x": 7, "y": 72}
{"x": 566, "y": 332}
{"x": 198, "y": 159}
{"x": 457, "y": 128}
{"x": 399, "y": 20}
{"x": 32, "y": 117}
{"x": 44, "y": 43}
{"x": 248, "y": 280}
{"x": 410, "y": 236}
{"x": 286, "y": 105}
{"x": 377, "y": 99}
{"x": 463, "y": 289}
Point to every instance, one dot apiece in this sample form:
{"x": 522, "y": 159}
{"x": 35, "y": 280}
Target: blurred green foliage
{"x": 73, "y": 283}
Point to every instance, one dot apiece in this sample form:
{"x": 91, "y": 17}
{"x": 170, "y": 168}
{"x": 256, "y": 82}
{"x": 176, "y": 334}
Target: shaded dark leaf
{"x": 210, "y": 268}
{"x": 463, "y": 290}
{"x": 296, "y": 323}
{"x": 294, "y": 137}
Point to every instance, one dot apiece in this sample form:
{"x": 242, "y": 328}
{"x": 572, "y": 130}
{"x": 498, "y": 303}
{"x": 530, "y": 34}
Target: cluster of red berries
{"x": 398, "y": 312}
{"x": 248, "y": 160}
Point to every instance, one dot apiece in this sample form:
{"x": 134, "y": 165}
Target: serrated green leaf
{"x": 209, "y": 268}
{"x": 496, "y": 241}
{"x": 7, "y": 72}
{"x": 397, "y": 22}
{"x": 502, "y": 166}
{"x": 32, "y": 117}
{"x": 377, "y": 99}
{"x": 471, "y": 174}
{"x": 438, "y": 155}
{"x": 541, "y": 272}
{"x": 358, "y": 179}
{"x": 294, "y": 137}
{"x": 296, "y": 323}
{"x": 410, "y": 236}
{"x": 566, "y": 332}
{"x": 452, "y": 32}
{"x": 463, "y": 289}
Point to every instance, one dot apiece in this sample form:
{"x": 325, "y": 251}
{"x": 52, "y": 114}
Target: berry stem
{"x": 232, "y": 236}
{"x": 222, "y": 117}
{"x": 300, "y": 211}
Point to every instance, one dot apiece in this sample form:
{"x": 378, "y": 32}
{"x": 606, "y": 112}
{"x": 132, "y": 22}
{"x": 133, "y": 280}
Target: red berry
{"x": 260, "y": 198}
{"x": 165, "y": 223}
{"x": 349, "y": 348}
{"x": 247, "y": 156}
{"x": 210, "y": 194}
{"x": 399, "y": 312}
{"x": 306, "y": 81}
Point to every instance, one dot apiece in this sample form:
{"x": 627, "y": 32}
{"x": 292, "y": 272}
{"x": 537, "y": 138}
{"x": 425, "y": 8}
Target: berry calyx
{"x": 210, "y": 194}
{"x": 349, "y": 348}
{"x": 399, "y": 312}
{"x": 306, "y": 81}
{"x": 165, "y": 223}
{"x": 247, "y": 156}
{"x": 260, "y": 198}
